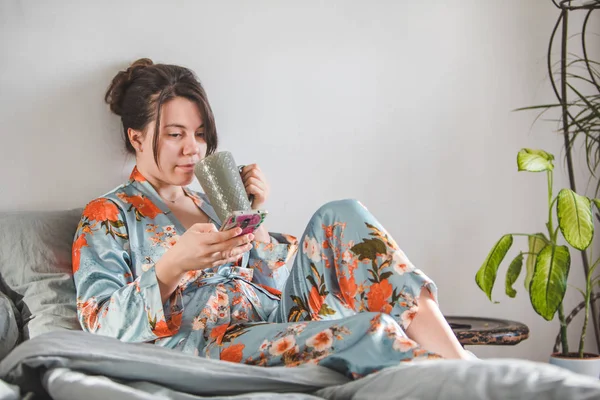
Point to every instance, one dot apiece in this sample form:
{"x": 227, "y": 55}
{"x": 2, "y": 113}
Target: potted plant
{"x": 547, "y": 262}
{"x": 575, "y": 81}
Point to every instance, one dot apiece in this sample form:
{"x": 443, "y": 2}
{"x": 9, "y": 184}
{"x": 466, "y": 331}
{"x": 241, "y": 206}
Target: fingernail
{"x": 250, "y": 236}
{"x": 238, "y": 230}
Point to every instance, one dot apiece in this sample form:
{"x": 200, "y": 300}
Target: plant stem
{"x": 589, "y": 285}
{"x": 565, "y": 6}
{"x": 550, "y": 223}
{"x": 563, "y": 330}
{"x": 588, "y": 295}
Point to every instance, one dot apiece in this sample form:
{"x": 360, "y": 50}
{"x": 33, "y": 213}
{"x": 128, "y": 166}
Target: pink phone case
{"x": 249, "y": 220}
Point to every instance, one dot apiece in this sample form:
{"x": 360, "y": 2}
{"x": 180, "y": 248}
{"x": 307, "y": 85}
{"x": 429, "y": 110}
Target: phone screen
{"x": 249, "y": 221}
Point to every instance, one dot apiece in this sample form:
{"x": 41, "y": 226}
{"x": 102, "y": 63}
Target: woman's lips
{"x": 187, "y": 167}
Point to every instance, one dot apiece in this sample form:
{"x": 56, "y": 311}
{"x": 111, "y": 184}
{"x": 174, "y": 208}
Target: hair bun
{"x": 116, "y": 91}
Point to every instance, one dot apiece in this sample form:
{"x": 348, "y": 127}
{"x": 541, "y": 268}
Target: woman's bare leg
{"x": 430, "y": 329}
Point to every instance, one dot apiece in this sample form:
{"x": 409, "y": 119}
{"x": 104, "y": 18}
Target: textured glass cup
{"x": 222, "y": 183}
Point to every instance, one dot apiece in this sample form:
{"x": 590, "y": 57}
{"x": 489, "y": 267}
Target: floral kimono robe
{"x": 343, "y": 305}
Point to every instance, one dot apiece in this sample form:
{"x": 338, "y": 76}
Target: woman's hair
{"x": 138, "y": 93}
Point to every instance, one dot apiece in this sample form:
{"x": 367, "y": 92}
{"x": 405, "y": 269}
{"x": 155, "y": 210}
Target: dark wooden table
{"x": 487, "y": 331}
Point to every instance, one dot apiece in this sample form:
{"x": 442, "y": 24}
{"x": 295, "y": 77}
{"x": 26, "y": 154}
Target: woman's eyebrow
{"x": 181, "y": 126}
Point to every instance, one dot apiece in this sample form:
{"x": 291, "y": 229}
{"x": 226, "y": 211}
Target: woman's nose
{"x": 191, "y": 147}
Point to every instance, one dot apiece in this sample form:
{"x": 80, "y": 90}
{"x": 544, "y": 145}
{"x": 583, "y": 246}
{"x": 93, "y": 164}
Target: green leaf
{"x": 369, "y": 249}
{"x": 597, "y": 203}
{"x": 315, "y": 272}
{"x": 311, "y": 279}
{"x": 326, "y": 310}
{"x": 536, "y": 244}
{"x": 299, "y": 302}
{"x": 575, "y": 218}
{"x": 295, "y": 314}
{"x": 534, "y": 160}
{"x": 117, "y": 224}
{"x": 512, "y": 274}
{"x": 386, "y": 275}
{"x": 486, "y": 276}
{"x": 549, "y": 282}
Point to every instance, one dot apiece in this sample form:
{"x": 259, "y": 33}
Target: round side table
{"x": 487, "y": 331}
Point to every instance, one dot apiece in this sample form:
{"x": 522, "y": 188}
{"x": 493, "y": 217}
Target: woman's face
{"x": 181, "y": 144}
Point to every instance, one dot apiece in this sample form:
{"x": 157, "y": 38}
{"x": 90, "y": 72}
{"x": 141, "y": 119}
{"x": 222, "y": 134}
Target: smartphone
{"x": 248, "y": 220}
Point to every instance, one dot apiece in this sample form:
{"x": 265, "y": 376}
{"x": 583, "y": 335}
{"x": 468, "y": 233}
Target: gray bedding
{"x": 75, "y": 365}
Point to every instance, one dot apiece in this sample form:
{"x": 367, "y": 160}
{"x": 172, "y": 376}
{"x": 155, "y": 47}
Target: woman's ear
{"x": 135, "y": 138}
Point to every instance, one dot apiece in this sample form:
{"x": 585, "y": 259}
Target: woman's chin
{"x": 183, "y": 179}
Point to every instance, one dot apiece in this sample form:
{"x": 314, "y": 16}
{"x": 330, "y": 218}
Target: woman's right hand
{"x": 200, "y": 247}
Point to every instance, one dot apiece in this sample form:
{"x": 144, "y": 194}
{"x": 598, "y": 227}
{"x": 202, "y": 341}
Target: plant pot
{"x": 589, "y": 365}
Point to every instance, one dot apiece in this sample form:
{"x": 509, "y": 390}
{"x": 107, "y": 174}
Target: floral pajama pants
{"x": 350, "y": 295}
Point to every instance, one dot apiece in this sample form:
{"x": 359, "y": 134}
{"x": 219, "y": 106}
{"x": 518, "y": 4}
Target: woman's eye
{"x": 174, "y": 134}
{"x": 200, "y": 134}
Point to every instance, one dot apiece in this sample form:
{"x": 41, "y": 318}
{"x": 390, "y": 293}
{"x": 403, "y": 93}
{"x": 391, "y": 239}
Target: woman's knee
{"x": 339, "y": 210}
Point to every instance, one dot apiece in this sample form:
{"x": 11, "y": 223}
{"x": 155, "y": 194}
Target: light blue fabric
{"x": 345, "y": 304}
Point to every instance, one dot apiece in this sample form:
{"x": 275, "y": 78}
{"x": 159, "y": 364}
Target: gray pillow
{"x": 35, "y": 268}
{"x": 9, "y": 330}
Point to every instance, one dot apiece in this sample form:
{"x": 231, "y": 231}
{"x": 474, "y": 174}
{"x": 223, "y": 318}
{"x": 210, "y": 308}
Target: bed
{"x": 44, "y": 354}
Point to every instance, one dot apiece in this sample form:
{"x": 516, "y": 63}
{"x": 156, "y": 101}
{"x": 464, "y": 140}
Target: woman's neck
{"x": 168, "y": 192}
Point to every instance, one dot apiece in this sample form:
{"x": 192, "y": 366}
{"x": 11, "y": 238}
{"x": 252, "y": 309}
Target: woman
{"x": 150, "y": 265}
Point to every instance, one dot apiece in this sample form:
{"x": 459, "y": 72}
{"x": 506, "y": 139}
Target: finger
{"x": 255, "y": 181}
{"x": 204, "y": 228}
{"x": 255, "y": 173}
{"x": 249, "y": 170}
{"x": 255, "y": 190}
{"x": 232, "y": 243}
{"x": 217, "y": 237}
{"x": 224, "y": 236}
{"x": 227, "y": 260}
{"x": 228, "y": 253}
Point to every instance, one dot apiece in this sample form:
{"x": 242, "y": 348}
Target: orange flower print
{"x": 233, "y": 353}
{"x": 312, "y": 249}
{"x": 375, "y": 324}
{"x": 174, "y": 323}
{"x": 403, "y": 344}
{"x": 164, "y": 328}
{"x": 144, "y": 207}
{"x": 408, "y": 316}
{"x": 101, "y": 210}
{"x": 321, "y": 341}
{"x": 264, "y": 346}
{"x": 378, "y": 295}
{"x": 315, "y": 301}
{"x": 136, "y": 175}
{"x": 269, "y": 289}
{"x": 349, "y": 289}
{"x": 198, "y": 323}
{"x": 328, "y": 229}
{"x": 161, "y": 329}
{"x": 401, "y": 263}
{"x": 80, "y": 242}
{"x": 89, "y": 313}
{"x": 282, "y": 345}
{"x": 218, "y": 332}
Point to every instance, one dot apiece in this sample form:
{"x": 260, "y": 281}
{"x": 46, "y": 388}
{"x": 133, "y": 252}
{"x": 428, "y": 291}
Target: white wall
{"x": 405, "y": 105}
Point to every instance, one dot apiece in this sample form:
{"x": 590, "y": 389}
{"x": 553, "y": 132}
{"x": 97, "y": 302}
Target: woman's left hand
{"x": 256, "y": 185}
